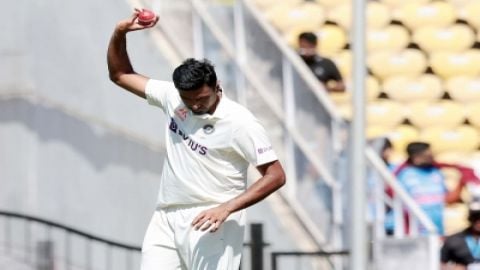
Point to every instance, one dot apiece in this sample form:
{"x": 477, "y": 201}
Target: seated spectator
{"x": 461, "y": 251}
{"x": 324, "y": 69}
{"x": 422, "y": 178}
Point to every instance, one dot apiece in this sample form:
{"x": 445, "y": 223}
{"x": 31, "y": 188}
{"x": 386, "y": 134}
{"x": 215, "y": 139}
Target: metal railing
{"x": 314, "y": 259}
{"x": 48, "y": 245}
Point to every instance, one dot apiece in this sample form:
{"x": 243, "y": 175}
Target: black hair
{"x": 193, "y": 74}
{"x": 387, "y": 144}
{"x": 309, "y": 36}
{"x": 415, "y": 148}
{"x": 474, "y": 212}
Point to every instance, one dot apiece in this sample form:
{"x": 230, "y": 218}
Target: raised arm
{"x": 119, "y": 66}
{"x": 273, "y": 177}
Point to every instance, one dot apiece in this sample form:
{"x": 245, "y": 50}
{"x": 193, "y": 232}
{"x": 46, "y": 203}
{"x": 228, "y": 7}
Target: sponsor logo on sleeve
{"x": 263, "y": 150}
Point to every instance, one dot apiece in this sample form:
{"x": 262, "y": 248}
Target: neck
{"x": 214, "y": 106}
{"x": 474, "y": 233}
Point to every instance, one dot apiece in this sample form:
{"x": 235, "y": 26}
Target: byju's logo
{"x": 193, "y": 145}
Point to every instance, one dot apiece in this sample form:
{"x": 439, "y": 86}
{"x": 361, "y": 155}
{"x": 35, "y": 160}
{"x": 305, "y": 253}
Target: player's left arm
{"x": 273, "y": 177}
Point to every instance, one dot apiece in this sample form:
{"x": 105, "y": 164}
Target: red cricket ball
{"x": 146, "y": 17}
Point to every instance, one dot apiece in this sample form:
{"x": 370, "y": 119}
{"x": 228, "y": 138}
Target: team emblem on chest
{"x": 208, "y": 129}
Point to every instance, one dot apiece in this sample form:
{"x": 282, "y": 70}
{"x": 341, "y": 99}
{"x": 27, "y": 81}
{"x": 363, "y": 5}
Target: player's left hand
{"x": 211, "y": 219}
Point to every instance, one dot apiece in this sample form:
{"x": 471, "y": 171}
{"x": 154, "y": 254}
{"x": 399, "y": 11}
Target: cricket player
{"x": 210, "y": 142}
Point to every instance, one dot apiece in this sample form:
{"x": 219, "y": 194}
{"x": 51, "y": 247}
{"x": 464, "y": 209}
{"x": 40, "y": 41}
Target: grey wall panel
{"x": 76, "y": 173}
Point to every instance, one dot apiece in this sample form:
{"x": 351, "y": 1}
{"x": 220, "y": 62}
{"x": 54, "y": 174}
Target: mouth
{"x": 198, "y": 112}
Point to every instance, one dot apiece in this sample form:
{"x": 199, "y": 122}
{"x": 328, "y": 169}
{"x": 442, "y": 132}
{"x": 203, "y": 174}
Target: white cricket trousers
{"x": 171, "y": 243}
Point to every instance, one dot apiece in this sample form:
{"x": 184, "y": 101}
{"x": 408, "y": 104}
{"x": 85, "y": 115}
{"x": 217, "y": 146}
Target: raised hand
{"x": 132, "y": 23}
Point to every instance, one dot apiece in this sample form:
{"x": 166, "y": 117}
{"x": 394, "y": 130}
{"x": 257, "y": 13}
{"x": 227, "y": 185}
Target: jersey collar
{"x": 219, "y": 113}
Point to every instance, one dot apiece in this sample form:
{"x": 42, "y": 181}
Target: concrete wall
{"x": 74, "y": 147}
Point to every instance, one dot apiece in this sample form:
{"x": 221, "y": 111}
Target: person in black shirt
{"x": 461, "y": 251}
{"x": 324, "y": 69}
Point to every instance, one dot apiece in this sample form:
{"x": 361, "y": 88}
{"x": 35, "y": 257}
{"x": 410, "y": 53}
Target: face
{"x": 201, "y": 101}
{"x": 423, "y": 159}
{"x": 306, "y": 49}
{"x": 476, "y": 225}
{"x": 386, "y": 154}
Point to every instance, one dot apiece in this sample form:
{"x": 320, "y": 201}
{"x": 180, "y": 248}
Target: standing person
{"x": 461, "y": 251}
{"x": 210, "y": 142}
{"x": 324, "y": 69}
{"x": 423, "y": 179}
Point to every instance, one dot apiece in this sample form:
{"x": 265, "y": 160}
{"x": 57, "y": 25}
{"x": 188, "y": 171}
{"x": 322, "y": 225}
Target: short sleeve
{"x": 335, "y": 73}
{"x": 252, "y": 143}
{"x": 157, "y": 92}
{"x": 445, "y": 256}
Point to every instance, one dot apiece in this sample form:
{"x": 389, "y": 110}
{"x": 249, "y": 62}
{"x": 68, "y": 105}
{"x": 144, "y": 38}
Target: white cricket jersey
{"x": 207, "y": 155}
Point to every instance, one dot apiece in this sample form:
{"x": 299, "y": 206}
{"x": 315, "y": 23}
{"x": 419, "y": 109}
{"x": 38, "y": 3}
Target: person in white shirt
{"x": 210, "y": 142}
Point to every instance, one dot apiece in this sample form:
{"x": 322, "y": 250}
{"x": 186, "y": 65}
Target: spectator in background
{"x": 462, "y": 250}
{"x": 386, "y": 152}
{"x": 422, "y": 178}
{"x": 324, "y": 69}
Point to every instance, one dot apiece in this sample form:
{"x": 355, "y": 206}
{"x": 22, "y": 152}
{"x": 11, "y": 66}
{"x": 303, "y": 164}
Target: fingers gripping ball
{"x": 146, "y": 17}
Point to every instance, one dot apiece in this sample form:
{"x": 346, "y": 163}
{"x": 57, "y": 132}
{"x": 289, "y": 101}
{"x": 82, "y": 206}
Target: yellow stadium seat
{"x": 452, "y": 157}
{"x": 473, "y": 160}
{"x": 377, "y": 131}
{"x": 266, "y": 4}
{"x": 285, "y": 16}
{"x": 373, "y": 88}
{"x": 332, "y": 39}
{"x": 460, "y": 139}
{"x": 473, "y": 113}
{"x": 464, "y": 88}
{"x": 400, "y": 3}
{"x": 470, "y": 12}
{"x": 402, "y": 135}
{"x": 392, "y": 37}
{"x": 455, "y": 218}
{"x": 373, "y": 91}
{"x": 409, "y": 62}
{"x": 426, "y": 87}
{"x": 332, "y": 3}
{"x": 378, "y": 15}
{"x": 444, "y": 113}
{"x": 345, "y": 110}
{"x": 341, "y": 98}
{"x": 457, "y": 37}
{"x": 459, "y": 3}
{"x": 448, "y": 64}
{"x": 341, "y": 15}
{"x": 385, "y": 112}
{"x": 436, "y": 13}
{"x": 343, "y": 60}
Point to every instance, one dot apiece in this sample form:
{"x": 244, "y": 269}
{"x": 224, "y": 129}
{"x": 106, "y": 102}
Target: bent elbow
{"x": 281, "y": 180}
{"x": 115, "y": 78}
